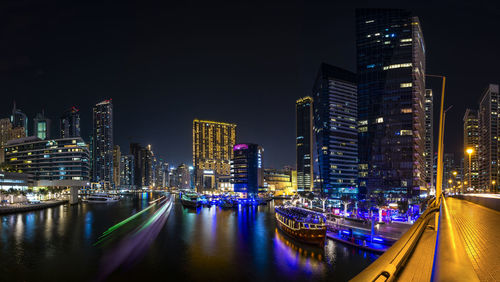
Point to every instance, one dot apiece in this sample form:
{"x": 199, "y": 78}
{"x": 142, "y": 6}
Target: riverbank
{"x": 30, "y": 207}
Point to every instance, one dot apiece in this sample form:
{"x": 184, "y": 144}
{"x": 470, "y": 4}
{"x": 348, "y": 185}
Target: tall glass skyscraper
{"x": 102, "y": 144}
{"x": 19, "y": 119}
{"x": 304, "y": 143}
{"x": 336, "y": 148}
{"x": 488, "y": 139}
{"x": 70, "y": 123}
{"x": 391, "y": 89}
{"x": 429, "y": 139}
{"x": 41, "y": 126}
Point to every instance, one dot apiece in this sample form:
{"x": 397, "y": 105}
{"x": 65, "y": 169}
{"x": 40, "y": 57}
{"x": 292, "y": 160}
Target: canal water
{"x": 65, "y": 243}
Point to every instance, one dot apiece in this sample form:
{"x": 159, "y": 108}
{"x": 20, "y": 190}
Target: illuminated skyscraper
{"x": 127, "y": 172}
{"x": 212, "y": 151}
{"x": 304, "y": 143}
{"x": 488, "y": 139}
{"x": 102, "y": 144}
{"x": 429, "y": 139}
{"x": 70, "y": 123}
{"x": 391, "y": 90}
{"x": 117, "y": 155}
{"x": 143, "y": 165}
{"x": 246, "y": 168}
{"x": 336, "y": 137}
{"x": 41, "y": 126}
{"x": 471, "y": 140}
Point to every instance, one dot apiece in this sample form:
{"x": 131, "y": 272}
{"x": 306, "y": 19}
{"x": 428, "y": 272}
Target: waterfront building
{"x": 391, "y": 91}
{"x": 280, "y": 181}
{"x": 15, "y": 181}
{"x": 41, "y": 126}
{"x": 336, "y": 139}
{"x": 213, "y": 143}
{"x": 429, "y": 141}
{"x": 488, "y": 139}
{"x": 102, "y": 144}
{"x": 471, "y": 140}
{"x": 19, "y": 119}
{"x": 246, "y": 168}
{"x": 127, "y": 172}
{"x": 5, "y": 131}
{"x": 304, "y": 143}
{"x": 54, "y": 162}
{"x": 143, "y": 165}
{"x": 160, "y": 173}
{"x": 70, "y": 123}
{"x": 17, "y": 132}
{"x": 117, "y": 155}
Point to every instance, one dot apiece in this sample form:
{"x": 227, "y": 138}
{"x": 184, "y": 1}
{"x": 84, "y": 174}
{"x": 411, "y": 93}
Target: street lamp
{"x": 470, "y": 151}
{"x": 493, "y": 185}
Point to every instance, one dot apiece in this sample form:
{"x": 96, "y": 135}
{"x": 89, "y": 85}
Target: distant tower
{"x": 70, "y": 123}
{"x": 41, "y": 126}
{"x": 488, "y": 139}
{"x": 19, "y": 119}
{"x": 102, "y": 145}
{"x": 471, "y": 140}
{"x": 304, "y": 143}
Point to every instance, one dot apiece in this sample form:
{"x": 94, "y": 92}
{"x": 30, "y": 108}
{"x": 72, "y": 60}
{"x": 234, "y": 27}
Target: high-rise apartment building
{"x": 70, "y": 123}
{"x": 143, "y": 165}
{"x": 117, "y": 155}
{"x": 304, "y": 143}
{"x": 212, "y": 151}
{"x": 127, "y": 172}
{"x": 429, "y": 140}
{"x": 471, "y": 141}
{"x": 102, "y": 144}
{"x": 391, "y": 91}
{"x": 336, "y": 139}
{"x": 41, "y": 126}
{"x": 488, "y": 139}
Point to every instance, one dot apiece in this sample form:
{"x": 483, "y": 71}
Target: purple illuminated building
{"x": 246, "y": 168}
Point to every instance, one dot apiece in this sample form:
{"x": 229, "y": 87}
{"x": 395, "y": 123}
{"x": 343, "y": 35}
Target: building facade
{"x": 304, "y": 143}
{"x": 54, "y": 162}
{"x": 102, "y": 144}
{"x": 471, "y": 140}
{"x": 429, "y": 141}
{"x": 488, "y": 139}
{"x": 41, "y": 126}
{"x": 280, "y": 181}
{"x": 246, "y": 168}
{"x": 391, "y": 90}
{"x": 335, "y": 132}
{"x": 70, "y": 123}
{"x": 117, "y": 155}
{"x": 19, "y": 120}
{"x": 127, "y": 172}
{"x": 143, "y": 165}
{"x": 212, "y": 151}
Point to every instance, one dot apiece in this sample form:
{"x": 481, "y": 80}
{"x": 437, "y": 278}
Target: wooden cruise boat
{"x": 303, "y": 225}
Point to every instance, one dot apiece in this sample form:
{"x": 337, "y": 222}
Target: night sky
{"x": 244, "y": 62}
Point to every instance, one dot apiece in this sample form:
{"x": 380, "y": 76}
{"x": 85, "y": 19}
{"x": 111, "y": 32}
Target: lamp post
{"x": 493, "y": 182}
{"x": 470, "y": 151}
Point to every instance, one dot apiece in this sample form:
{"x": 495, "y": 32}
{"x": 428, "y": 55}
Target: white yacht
{"x": 102, "y": 198}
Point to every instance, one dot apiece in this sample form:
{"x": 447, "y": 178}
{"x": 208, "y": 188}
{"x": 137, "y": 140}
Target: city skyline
{"x": 163, "y": 84}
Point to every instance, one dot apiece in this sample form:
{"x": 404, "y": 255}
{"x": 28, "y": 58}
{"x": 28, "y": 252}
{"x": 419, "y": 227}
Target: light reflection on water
{"x": 207, "y": 244}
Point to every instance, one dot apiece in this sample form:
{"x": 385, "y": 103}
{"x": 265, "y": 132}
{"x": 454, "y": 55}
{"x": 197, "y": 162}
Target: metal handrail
{"x": 451, "y": 262}
{"x": 386, "y": 267}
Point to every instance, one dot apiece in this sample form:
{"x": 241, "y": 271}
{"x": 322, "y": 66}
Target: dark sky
{"x": 242, "y": 61}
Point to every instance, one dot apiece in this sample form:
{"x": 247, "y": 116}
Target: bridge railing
{"x": 387, "y": 266}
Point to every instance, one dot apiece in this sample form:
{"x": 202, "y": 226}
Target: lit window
{"x": 379, "y": 120}
{"x": 363, "y": 122}
{"x": 363, "y": 129}
{"x": 406, "y": 85}
{"x": 397, "y": 66}
{"x": 405, "y": 132}
{"x": 406, "y": 111}
{"x": 406, "y": 40}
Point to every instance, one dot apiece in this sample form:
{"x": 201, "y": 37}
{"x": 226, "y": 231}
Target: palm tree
{"x": 323, "y": 197}
{"x": 379, "y": 201}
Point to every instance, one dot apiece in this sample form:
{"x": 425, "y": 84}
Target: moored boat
{"x": 102, "y": 198}
{"x": 301, "y": 224}
{"x": 190, "y": 200}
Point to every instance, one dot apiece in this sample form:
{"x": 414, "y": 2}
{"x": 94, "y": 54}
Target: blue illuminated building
{"x": 391, "y": 114}
{"x": 336, "y": 137}
{"x": 246, "y": 168}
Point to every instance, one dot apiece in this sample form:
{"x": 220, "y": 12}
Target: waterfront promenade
{"x": 15, "y": 208}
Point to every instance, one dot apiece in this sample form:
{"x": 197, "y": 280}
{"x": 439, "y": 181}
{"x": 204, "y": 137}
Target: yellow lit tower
{"x": 213, "y": 144}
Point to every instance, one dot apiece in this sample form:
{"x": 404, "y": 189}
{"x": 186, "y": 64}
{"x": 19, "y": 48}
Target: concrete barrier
{"x": 31, "y": 207}
{"x": 489, "y": 202}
